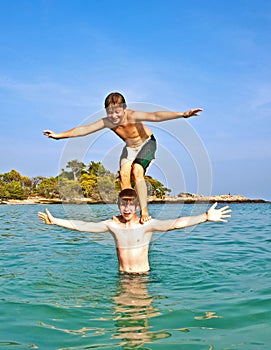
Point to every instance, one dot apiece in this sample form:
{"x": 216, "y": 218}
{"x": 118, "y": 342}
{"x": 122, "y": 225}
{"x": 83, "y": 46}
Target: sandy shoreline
{"x": 185, "y": 198}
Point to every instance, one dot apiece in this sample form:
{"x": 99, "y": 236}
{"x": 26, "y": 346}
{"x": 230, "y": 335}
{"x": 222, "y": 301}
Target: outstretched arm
{"x": 218, "y": 215}
{"x": 78, "y": 131}
{"x": 161, "y": 116}
{"x": 78, "y": 225}
{"x": 215, "y": 215}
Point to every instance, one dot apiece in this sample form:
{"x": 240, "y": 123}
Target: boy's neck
{"x": 131, "y": 222}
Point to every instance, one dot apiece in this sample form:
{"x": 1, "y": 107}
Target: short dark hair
{"x": 128, "y": 194}
{"x": 115, "y": 98}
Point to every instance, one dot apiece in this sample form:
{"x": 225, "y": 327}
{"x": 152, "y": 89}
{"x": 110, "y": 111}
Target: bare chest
{"x": 133, "y": 134}
{"x": 130, "y": 238}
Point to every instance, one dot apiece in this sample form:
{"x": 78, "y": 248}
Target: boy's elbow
{"x": 156, "y": 117}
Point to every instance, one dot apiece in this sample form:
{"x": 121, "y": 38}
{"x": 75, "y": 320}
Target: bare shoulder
{"x": 106, "y": 122}
{"x": 130, "y": 114}
{"x": 140, "y": 116}
{"x": 149, "y": 226}
{"x": 152, "y": 222}
{"x": 134, "y": 116}
{"x": 130, "y": 111}
{"x": 159, "y": 225}
{"x": 115, "y": 219}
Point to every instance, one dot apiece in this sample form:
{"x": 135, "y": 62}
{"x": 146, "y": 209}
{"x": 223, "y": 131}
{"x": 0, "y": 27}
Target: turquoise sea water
{"x": 209, "y": 288}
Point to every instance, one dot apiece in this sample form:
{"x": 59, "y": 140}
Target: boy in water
{"x": 140, "y": 142}
{"x": 132, "y": 239}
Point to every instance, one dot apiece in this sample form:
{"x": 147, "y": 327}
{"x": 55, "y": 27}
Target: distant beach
{"x": 186, "y": 198}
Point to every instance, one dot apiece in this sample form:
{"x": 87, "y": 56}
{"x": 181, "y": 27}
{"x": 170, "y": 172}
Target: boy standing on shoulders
{"x": 140, "y": 142}
{"x": 132, "y": 239}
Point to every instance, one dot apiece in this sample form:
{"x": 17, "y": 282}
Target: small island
{"x": 92, "y": 184}
{"x": 189, "y": 198}
{"x": 185, "y": 198}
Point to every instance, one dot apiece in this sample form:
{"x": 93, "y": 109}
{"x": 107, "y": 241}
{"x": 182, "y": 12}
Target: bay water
{"x": 209, "y": 286}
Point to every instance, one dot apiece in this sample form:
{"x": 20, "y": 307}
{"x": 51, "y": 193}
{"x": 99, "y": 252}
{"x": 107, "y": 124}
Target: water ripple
{"x": 209, "y": 288}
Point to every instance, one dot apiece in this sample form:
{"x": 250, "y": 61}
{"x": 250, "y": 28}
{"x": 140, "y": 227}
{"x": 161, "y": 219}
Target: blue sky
{"x": 59, "y": 60}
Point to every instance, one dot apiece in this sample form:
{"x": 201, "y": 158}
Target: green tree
{"x": 26, "y": 182}
{"x": 48, "y": 188}
{"x": 16, "y": 190}
{"x": 76, "y": 168}
{"x": 70, "y": 189}
{"x": 35, "y": 181}
{"x": 106, "y": 188}
{"x": 88, "y": 181}
{"x": 14, "y": 185}
{"x": 66, "y": 174}
{"x": 12, "y": 175}
{"x": 97, "y": 169}
{"x": 97, "y": 183}
{"x": 156, "y": 189}
{"x": 105, "y": 185}
{"x": 4, "y": 194}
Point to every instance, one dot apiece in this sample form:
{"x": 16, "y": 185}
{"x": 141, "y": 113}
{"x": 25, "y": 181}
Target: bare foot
{"x": 144, "y": 217}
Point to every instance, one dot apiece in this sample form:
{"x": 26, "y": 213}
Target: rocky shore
{"x": 197, "y": 198}
{"x": 186, "y": 198}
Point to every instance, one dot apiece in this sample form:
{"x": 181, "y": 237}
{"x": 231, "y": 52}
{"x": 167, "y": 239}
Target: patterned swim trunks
{"x": 143, "y": 154}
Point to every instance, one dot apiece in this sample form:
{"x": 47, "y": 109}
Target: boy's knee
{"x": 124, "y": 174}
{"x": 125, "y": 178}
{"x": 138, "y": 172}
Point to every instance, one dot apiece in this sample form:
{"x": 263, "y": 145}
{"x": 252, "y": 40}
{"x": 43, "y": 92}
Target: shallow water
{"x": 209, "y": 288}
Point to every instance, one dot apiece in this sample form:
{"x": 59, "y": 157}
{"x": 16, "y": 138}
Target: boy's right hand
{"x": 47, "y": 217}
{"x": 51, "y": 134}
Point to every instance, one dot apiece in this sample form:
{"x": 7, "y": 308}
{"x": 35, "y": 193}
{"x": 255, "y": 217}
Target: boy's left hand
{"x": 192, "y": 113}
{"x": 218, "y": 214}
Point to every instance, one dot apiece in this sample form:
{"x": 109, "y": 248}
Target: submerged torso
{"x": 132, "y": 245}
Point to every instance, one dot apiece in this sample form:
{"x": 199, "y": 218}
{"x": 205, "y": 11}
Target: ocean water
{"x": 209, "y": 287}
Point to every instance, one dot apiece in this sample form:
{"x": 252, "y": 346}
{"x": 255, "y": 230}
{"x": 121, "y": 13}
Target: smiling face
{"x": 116, "y": 113}
{"x": 128, "y": 203}
{"x": 127, "y": 208}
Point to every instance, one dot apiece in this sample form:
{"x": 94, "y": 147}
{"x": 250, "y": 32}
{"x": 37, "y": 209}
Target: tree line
{"x": 77, "y": 181}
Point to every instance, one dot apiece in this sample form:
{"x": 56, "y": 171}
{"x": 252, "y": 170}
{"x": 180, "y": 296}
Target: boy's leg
{"x": 125, "y": 173}
{"x": 141, "y": 189}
